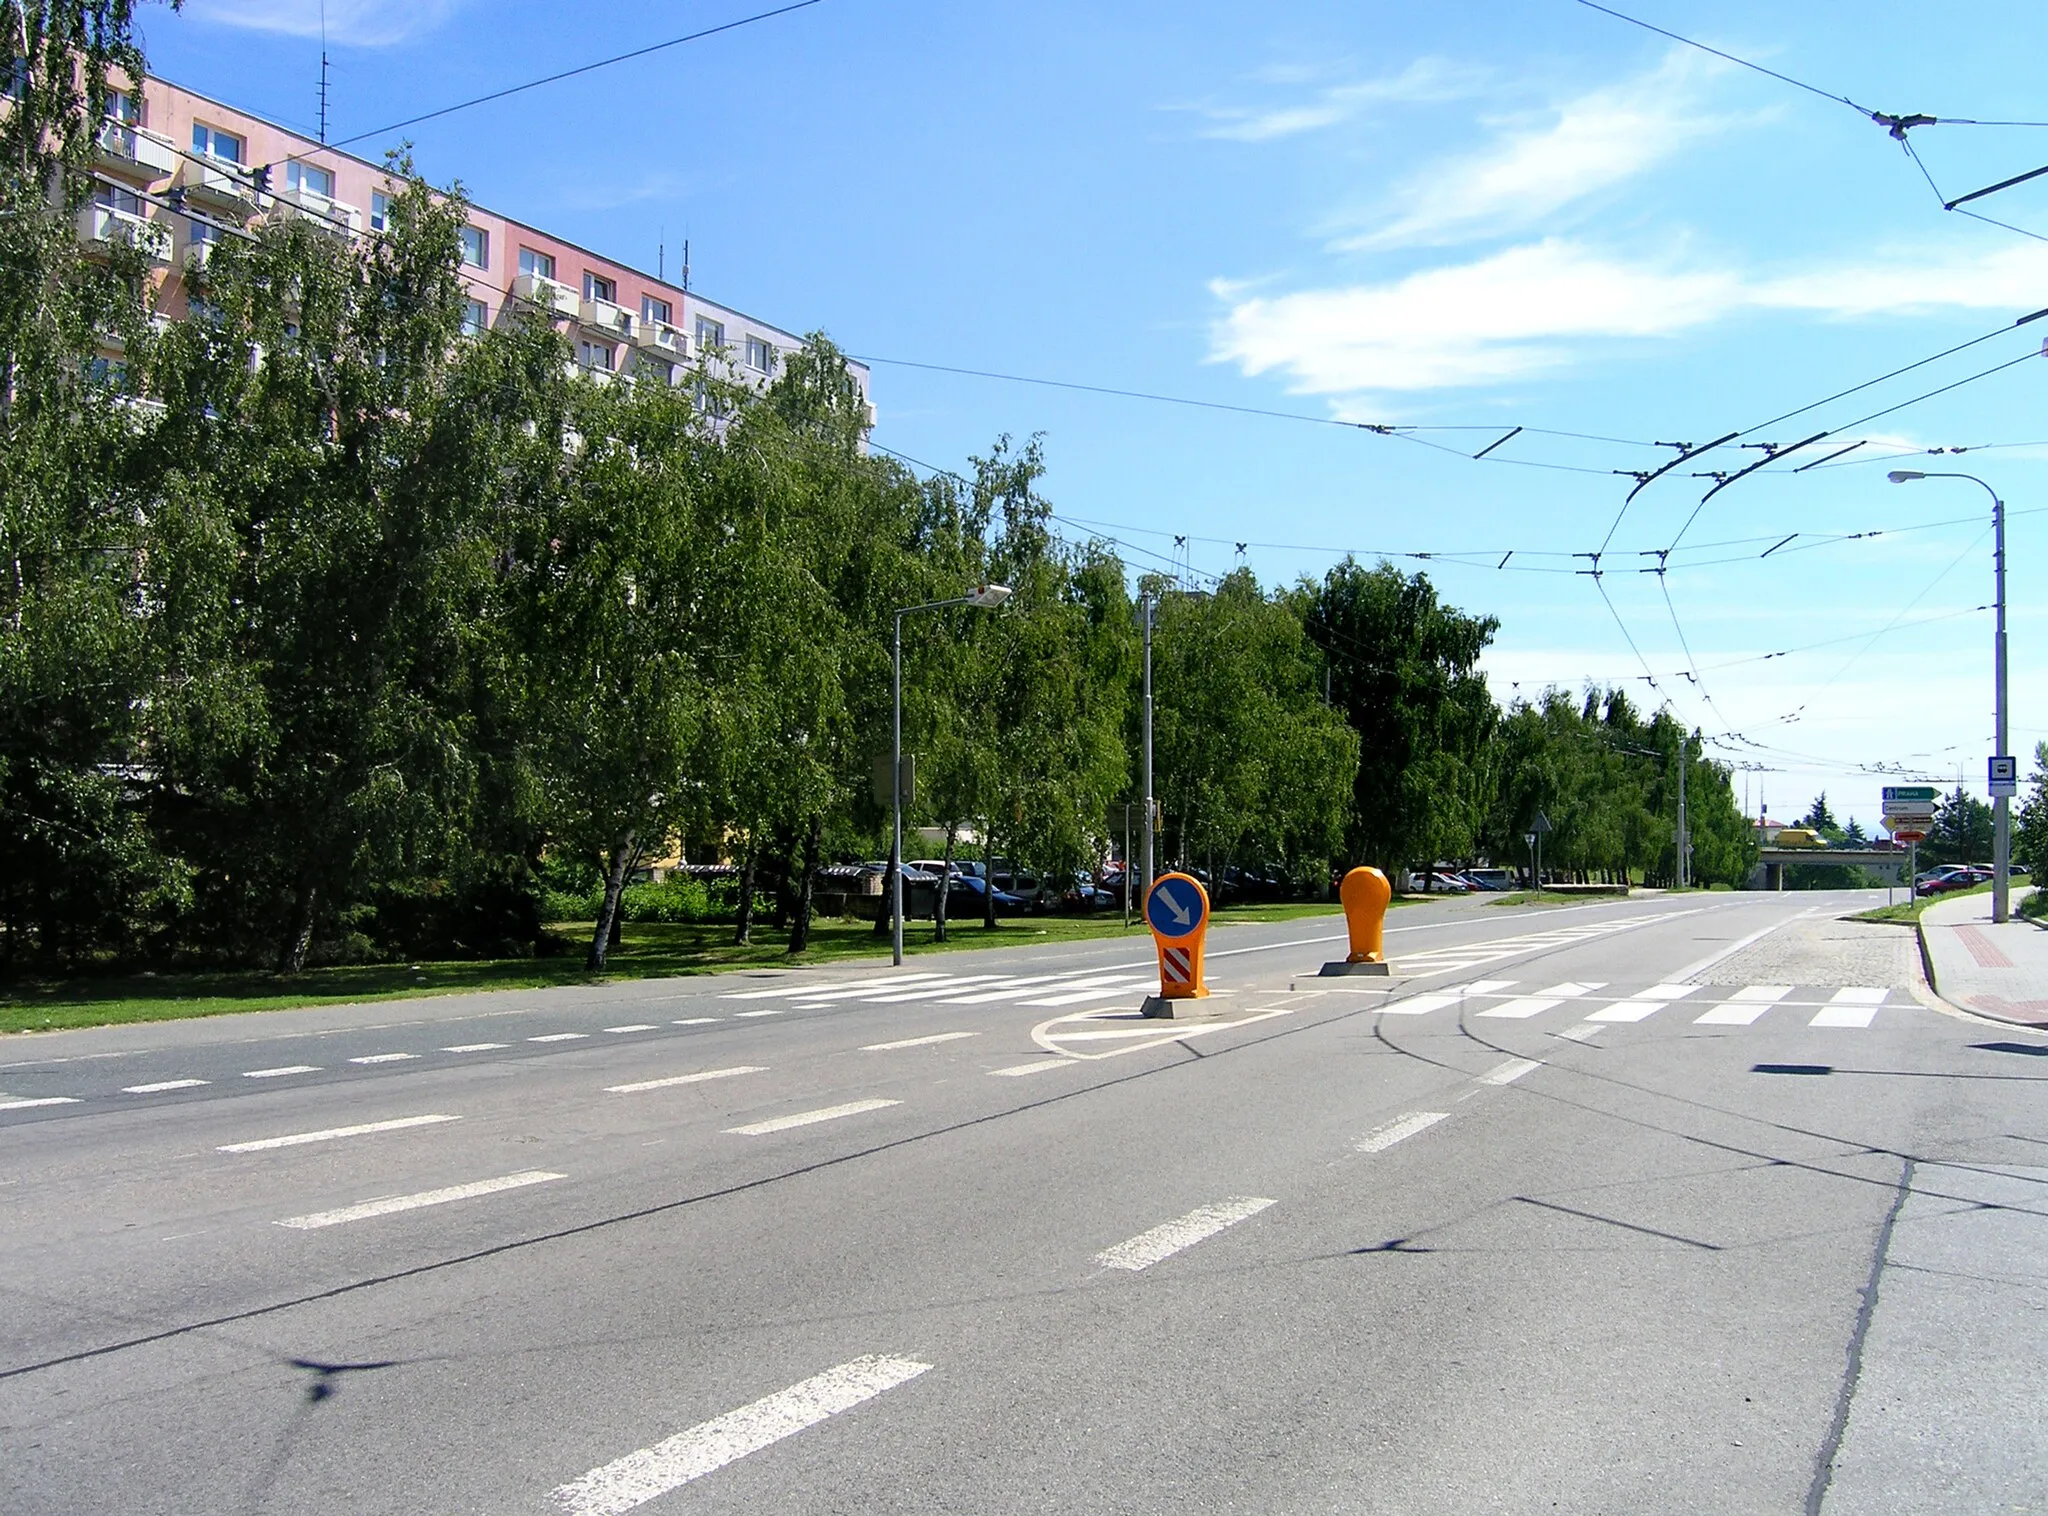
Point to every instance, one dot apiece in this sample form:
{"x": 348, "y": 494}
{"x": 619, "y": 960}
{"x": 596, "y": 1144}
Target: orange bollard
{"x": 1365, "y": 893}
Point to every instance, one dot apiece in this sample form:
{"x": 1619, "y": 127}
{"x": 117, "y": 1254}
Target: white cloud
{"x": 1426, "y": 79}
{"x": 350, "y": 23}
{"x": 1542, "y": 306}
{"x": 1534, "y": 168}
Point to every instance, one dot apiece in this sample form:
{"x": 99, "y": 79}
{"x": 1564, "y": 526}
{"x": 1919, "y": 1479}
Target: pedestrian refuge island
{"x": 1365, "y": 893}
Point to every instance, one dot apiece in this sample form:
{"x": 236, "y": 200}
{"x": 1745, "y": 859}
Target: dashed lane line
{"x": 1509, "y": 1072}
{"x": 331, "y": 1134}
{"x": 917, "y": 1042}
{"x": 696, "y": 1021}
{"x": 162, "y": 1085}
{"x": 385, "y": 1058}
{"x": 393, "y": 1204}
{"x": 775, "y": 1011}
{"x": 29, "y": 1105}
{"x": 1379, "y": 1139}
{"x": 476, "y": 1047}
{"x": 808, "y": 1118}
{"x": 638, "y": 1026}
{"x": 614, "y": 1488}
{"x": 1036, "y": 1066}
{"x": 1162, "y": 1242}
{"x": 290, "y": 1068}
{"x": 675, "y": 1079}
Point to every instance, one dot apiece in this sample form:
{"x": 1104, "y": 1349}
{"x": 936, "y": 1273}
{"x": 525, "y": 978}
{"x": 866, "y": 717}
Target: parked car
{"x": 1439, "y": 882}
{"x": 1491, "y": 878}
{"x": 1950, "y": 878}
{"x": 968, "y": 895}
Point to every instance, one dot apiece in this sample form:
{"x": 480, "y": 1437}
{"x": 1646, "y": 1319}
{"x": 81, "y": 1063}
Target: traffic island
{"x": 1186, "y": 1008}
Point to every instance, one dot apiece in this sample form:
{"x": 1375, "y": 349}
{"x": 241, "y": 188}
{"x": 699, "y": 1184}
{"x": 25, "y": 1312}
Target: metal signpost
{"x": 1538, "y": 830}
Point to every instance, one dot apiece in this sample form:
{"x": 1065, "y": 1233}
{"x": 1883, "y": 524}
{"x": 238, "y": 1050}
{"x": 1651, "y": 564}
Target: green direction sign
{"x": 1910, "y": 795}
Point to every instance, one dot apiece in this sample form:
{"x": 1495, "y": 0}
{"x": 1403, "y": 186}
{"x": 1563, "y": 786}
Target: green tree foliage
{"x": 1961, "y": 832}
{"x": 2030, "y": 824}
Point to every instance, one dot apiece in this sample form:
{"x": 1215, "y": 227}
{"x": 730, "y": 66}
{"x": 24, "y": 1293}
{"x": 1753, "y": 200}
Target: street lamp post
{"x": 988, "y": 597}
{"x": 1146, "y": 605}
{"x": 2001, "y": 805}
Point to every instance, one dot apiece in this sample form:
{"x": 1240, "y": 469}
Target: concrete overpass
{"x": 1771, "y": 862}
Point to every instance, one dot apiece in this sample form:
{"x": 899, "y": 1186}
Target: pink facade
{"x": 173, "y": 148}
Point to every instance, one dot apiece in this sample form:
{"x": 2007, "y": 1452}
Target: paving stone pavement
{"x": 1826, "y": 950}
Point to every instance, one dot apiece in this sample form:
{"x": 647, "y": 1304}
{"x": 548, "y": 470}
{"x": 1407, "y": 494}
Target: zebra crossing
{"x": 1075, "y": 987}
{"x": 1852, "y": 1006}
{"x": 1457, "y": 958}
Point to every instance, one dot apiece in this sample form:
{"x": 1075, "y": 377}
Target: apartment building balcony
{"x": 134, "y": 152}
{"x": 321, "y": 212}
{"x": 213, "y": 184}
{"x": 101, "y": 226}
{"x": 663, "y": 340}
{"x": 548, "y": 294}
{"x": 603, "y": 316}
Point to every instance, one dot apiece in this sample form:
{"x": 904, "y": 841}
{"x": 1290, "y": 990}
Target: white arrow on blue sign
{"x": 1174, "y": 907}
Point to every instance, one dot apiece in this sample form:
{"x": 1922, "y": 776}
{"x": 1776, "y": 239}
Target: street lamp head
{"x": 989, "y": 596}
{"x": 1904, "y": 475}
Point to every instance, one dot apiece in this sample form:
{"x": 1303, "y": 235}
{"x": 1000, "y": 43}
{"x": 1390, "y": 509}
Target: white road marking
{"x": 1008, "y": 992}
{"x": 1628, "y": 1010}
{"x": 1585, "y": 1031}
{"x": 29, "y": 1105}
{"x": 929, "y": 991}
{"x": 1200, "y": 1224}
{"x": 1036, "y": 1066}
{"x": 1572, "y": 987}
{"x": 1098, "y": 990}
{"x": 638, "y": 1026}
{"x": 1852, "y": 1005}
{"x": 1488, "y": 987}
{"x": 1734, "y": 1013}
{"x": 617, "y": 1487}
{"x": 1379, "y": 1139}
{"x": 385, "y": 1058}
{"x": 829, "y": 991}
{"x": 1667, "y": 992}
{"x": 1509, "y": 1072}
{"x": 1528, "y": 1005}
{"x": 393, "y": 1204}
{"x": 293, "y": 1068}
{"x": 675, "y": 1079}
{"x": 161, "y": 1086}
{"x": 1765, "y": 993}
{"x": 1856, "y": 994}
{"x": 560, "y": 1037}
{"x": 297, "y": 1139}
{"x": 476, "y": 1047}
{"x": 808, "y": 1118}
{"x": 917, "y": 1042}
{"x": 696, "y": 1021}
{"x": 777, "y": 1011}
{"x": 1421, "y": 1005}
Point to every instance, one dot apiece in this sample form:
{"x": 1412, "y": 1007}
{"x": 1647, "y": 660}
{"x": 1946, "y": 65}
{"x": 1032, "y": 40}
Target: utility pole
{"x": 1684, "y": 837}
{"x": 1145, "y": 607}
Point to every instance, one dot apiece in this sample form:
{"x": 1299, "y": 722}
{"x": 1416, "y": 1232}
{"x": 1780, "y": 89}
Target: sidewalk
{"x": 1997, "y": 971}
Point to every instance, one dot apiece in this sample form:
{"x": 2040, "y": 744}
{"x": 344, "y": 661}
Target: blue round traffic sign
{"x": 1175, "y": 906}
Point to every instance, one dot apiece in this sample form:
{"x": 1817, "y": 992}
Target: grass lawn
{"x": 650, "y": 950}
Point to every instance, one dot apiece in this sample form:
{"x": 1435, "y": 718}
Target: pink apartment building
{"x": 165, "y": 152}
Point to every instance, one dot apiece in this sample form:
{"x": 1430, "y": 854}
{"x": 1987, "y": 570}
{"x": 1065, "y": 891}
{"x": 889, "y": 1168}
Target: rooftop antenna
{"x": 686, "y": 265}
{"x": 323, "y": 73}
{"x": 661, "y": 255}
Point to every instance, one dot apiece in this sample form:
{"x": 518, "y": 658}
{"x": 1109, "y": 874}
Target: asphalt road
{"x": 1582, "y": 1211}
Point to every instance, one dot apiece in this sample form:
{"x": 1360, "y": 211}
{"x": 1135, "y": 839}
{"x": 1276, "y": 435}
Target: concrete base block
{"x": 1204, "y": 1008}
{"x": 1344, "y": 970}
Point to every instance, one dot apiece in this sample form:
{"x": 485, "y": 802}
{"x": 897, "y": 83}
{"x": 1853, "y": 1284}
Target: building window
{"x": 653, "y": 370}
{"x": 475, "y": 317}
{"x": 124, "y": 108}
{"x": 760, "y": 355}
{"x": 114, "y": 198}
{"x": 380, "y": 211}
{"x": 537, "y": 265}
{"x": 110, "y": 372}
{"x": 653, "y": 310}
{"x": 710, "y": 335}
{"x": 476, "y": 247}
{"x": 309, "y": 180}
{"x": 597, "y": 287}
{"x": 595, "y": 355}
{"x": 14, "y": 78}
{"x": 211, "y": 142}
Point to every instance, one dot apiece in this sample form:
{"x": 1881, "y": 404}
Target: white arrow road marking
{"x": 675, "y": 1079}
{"x": 395, "y": 1203}
{"x": 296, "y": 1139}
{"x": 1051, "y": 1036}
{"x": 1200, "y": 1224}
{"x": 617, "y": 1487}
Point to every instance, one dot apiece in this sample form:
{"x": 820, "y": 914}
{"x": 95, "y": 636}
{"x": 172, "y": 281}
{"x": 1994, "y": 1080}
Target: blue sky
{"x": 1473, "y": 215}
